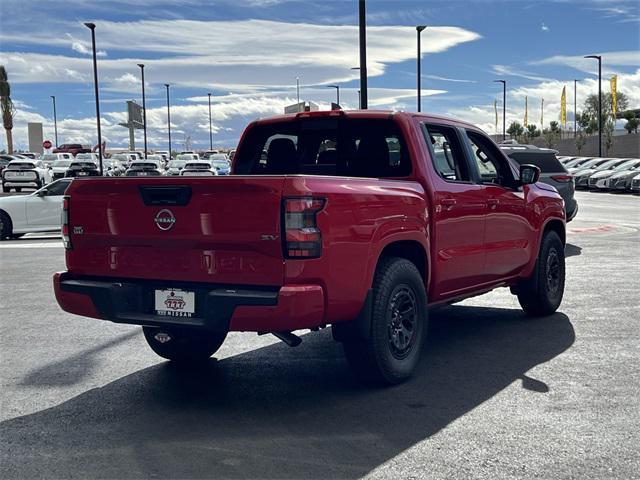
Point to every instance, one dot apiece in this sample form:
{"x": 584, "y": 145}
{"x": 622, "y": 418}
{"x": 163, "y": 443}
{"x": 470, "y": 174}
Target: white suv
{"x": 24, "y": 173}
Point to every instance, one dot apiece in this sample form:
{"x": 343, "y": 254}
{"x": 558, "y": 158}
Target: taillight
{"x": 66, "y": 238}
{"x": 562, "y": 178}
{"x": 302, "y": 237}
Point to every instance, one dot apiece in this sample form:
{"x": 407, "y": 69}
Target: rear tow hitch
{"x": 289, "y": 338}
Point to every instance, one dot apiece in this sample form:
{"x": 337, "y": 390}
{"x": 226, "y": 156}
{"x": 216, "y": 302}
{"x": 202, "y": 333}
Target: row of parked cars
{"x": 613, "y": 174}
{"x": 19, "y": 171}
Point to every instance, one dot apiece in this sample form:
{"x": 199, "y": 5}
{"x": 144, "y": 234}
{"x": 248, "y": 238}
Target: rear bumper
{"x": 218, "y": 307}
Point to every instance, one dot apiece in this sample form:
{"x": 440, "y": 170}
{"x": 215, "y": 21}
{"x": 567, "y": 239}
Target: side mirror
{"x": 43, "y": 192}
{"x": 529, "y": 174}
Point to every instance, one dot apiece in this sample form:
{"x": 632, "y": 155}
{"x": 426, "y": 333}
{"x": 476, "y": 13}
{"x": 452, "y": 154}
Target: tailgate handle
{"x": 178, "y": 195}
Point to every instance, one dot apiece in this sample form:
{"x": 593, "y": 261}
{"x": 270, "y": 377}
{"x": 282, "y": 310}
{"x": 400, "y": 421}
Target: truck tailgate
{"x": 223, "y": 230}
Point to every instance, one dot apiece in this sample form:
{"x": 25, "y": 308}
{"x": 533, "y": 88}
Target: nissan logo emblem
{"x": 165, "y": 219}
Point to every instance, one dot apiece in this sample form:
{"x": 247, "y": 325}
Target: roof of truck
{"x": 360, "y": 114}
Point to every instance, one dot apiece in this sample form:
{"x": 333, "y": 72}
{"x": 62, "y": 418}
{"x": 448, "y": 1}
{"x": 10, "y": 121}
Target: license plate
{"x": 82, "y": 174}
{"x": 175, "y": 303}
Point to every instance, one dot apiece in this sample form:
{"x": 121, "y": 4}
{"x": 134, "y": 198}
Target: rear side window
{"x": 547, "y": 162}
{"x": 325, "y": 146}
{"x": 447, "y": 153}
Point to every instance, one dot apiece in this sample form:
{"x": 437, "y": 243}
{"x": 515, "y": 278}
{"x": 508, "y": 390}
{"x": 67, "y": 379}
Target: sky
{"x": 247, "y": 54}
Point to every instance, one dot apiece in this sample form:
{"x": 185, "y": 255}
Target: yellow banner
{"x": 563, "y": 106}
{"x": 614, "y": 96}
{"x": 526, "y": 112}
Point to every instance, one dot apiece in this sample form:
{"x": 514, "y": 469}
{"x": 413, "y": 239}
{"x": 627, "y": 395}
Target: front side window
{"x": 491, "y": 164}
{"x": 57, "y": 188}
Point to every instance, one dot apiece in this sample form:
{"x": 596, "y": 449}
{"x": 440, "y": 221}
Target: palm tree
{"x": 8, "y": 111}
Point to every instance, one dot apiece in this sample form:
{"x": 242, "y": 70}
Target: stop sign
{"x": 47, "y": 144}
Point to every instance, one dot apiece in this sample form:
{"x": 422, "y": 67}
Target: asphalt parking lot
{"x": 497, "y": 395}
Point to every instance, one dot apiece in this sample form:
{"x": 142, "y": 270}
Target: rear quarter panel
{"x": 360, "y": 218}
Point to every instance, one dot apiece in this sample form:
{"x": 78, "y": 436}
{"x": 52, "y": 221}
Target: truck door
{"x": 509, "y": 236}
{"x": 459, "y": 210}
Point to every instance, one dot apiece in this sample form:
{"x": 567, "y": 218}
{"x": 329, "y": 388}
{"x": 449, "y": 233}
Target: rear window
{"x": 325, "y": 146}
{"x": 547, "y": 162}
{"x": 21, "y": 165}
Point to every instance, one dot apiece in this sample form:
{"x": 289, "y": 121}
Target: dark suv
{"x": 552, "y": 172}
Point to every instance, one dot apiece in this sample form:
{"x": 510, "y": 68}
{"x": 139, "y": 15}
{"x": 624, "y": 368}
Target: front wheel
{"x": 398, "y": 325}
{"x": 183, "y": 345}
{"x": 541, "y": 294}
{"x": 5, "y": 226}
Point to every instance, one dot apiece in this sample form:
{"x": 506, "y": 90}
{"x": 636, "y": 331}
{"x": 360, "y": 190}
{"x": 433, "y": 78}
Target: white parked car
{"x": 200, "y": 168}
{"x": 21, "y": 174}
{"x": 50, "y": 158}
{"x": 37, "y": 212}
{"x": 145, "y": 168}
{"x": 93, "y": 157}
{"x": 188, "y": 156}
{"x": 59, "y": 168}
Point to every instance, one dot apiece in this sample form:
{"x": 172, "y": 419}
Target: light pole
{"x": 55, "y": 118}
{"x": 504, "y": 108}
{"x": 419, "y": 30}
{"x": 599, "y": 58}
{"x": 144, "y": 112}
{"x": 92, "y": 27}
{"x": 337, "y": 87}
{"x": 210, "y": 132}
{"x": 575, "y": 108}
{"x": 363, "y": 53}
{"x": 168, "y": 119}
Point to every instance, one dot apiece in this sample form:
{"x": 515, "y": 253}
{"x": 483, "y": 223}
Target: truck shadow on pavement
{"x": 278, "y": 412}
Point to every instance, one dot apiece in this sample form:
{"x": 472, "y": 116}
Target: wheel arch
{"x": 6, "y": 214}
{"x": 411, "y": 250}
{"x": 554, "y": 225}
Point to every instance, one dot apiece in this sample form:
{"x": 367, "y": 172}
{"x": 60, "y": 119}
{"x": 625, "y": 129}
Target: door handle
{"x": 492, "y": 202}
{"x": 448, "y": 203}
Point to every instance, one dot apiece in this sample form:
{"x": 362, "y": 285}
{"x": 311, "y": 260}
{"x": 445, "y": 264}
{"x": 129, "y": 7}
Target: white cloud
{"x": 514, "y": 72}
{"x": 544, "y": 27}
{"x": 624, "y": 58}
{"x": 228, "y": 54}
{"x": 446, "y": 79}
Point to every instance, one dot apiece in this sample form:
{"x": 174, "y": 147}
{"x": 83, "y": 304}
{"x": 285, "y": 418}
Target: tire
{"x": 6, "y": 189}
{"x": 18, "y": 189}
{"x": 183, "y": 345}
{"x": 391, "y": 353}
{"x": 541, "y": 294}
{"x": 6, "y": 227}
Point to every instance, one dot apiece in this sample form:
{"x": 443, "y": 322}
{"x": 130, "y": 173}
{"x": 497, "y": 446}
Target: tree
{"x": 515, "y": 130}
{"x": 581, "y": 140}
{"x": 607, "y": 134}
{"x": 532, "y": 131}
{"x": 591, "y": 105}
{"x": 6, "y": 105}
{"x": 632, "y": 122}
{"x": 552, "y": 134}
{"x": 587, "y": 123}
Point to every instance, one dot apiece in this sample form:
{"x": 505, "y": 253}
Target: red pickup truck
{"x": 360, "y": 220}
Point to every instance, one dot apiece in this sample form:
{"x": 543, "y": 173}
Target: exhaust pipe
{"x": 288, "y": 338}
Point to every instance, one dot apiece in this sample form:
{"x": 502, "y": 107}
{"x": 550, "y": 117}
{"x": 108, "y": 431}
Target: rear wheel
{"x": 541, "y": 294}
{"x": 6, "y": 189}
{"x": 6, "y": 226}
{"x": 398, "y": 325}
{"x": 183, "y": 345}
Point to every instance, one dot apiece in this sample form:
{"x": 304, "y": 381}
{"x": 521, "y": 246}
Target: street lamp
{"x": 92, "y": 27}
{"x": 362, "y": 27}
{"x": 168, "y": 119}
{"x": 144, "y": 112}
{"x": 575, "y": 108}
{"x": 55, "y": 118}
{"x": 599, "y": 58}
{"x": 337, "y": 87}
{"x": 504, "y": 108}
{"x": 419, "y": 30}
{"x": 210, "y": 132}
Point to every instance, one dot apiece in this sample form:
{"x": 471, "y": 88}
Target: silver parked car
{"x": 582, "y": 176}
{"x": 552, "y": 172}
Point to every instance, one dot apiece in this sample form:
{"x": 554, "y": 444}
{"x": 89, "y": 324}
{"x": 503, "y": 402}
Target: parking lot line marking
{"x": 32, "y": 245}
